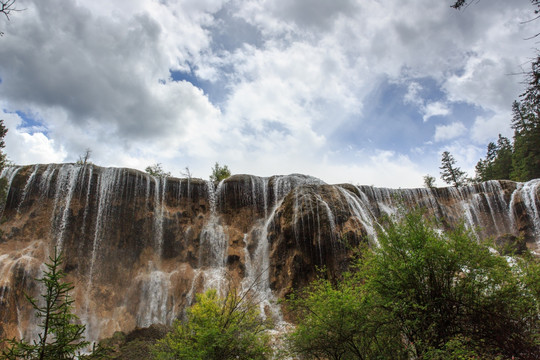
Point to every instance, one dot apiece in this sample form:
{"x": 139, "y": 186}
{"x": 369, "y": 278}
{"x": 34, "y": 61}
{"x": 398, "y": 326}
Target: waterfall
{"x": 159, "y": 209}
{"x": 154, "y": 307}
{"x": 29, "y": 183}
{"x": 8, "y": 173}
{"x": 65, "y": 188}
{"x": 90, "y": 172}
{"x": 527, "y": 192}
{"x": 145, "y": 245}
{"x": 257, "y": 263}
{"x": 106, "y": 187}
{"x": 213, "y": 247}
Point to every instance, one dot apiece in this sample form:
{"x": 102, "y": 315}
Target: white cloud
{"x": 427, "y": 109}
{"x": 292, "y": 80}
{"x": 487, "y": 128}
{"x": 24, "y": 147}
{"x": 451, "y": 131}
{"x": 435, "y": 109}
{"x": 413, "y": 94}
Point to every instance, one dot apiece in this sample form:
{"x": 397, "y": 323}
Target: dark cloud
{"x": 230, "y": 32}
{"x": 313, "y": 13}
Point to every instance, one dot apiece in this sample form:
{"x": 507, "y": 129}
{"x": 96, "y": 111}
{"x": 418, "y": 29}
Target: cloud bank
{"x": 349, "y": 91}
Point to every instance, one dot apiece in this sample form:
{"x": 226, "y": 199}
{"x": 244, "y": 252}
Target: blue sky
{"x": 367, "y": 92}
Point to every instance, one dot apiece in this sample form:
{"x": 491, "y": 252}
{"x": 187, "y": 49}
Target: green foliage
{"x": 217, "y": 327}
{"x": 61, "y": 337}
{"x": 526, "y": 125}
{"x": 450, "y": 173}
{"x": 429, "y": 181}
{"x": 220, "y": 172}
{"x": 519, "y": 161}
{"x": 157, "y": 171}
{"x": 440, "y": 287}
{"x": 339, "y": 321}
{"x": 423, "y": 294}
{"x": 498, "y": 162}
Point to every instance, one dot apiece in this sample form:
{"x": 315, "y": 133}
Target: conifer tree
{"x": 61, "y": 336}
{"x": 526, "y": 125}
{"x": 450, "y": 173}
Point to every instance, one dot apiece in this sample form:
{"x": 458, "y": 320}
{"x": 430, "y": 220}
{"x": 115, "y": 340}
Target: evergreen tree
{"x": 526, "y": 125}
{"x": 450, "y": 173}
{"x": 61, "y": 336}
{"x": 498, "y": 162}
{"x": 502, "y": 164}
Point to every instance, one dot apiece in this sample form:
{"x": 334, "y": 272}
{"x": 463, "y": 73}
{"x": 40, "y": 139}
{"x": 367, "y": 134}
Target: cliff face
{"x": 138, "y": 248}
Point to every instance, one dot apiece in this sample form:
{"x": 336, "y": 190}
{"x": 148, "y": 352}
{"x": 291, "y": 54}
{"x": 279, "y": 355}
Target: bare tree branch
{"x": 7, "y": 6}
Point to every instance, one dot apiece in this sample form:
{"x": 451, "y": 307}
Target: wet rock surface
{"x": 138, "y": 248}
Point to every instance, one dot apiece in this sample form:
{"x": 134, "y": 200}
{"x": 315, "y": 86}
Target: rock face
{"x": 138, "y": 248}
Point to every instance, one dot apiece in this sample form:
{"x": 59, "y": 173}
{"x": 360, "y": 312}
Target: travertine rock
{"x": 138, "y": 248}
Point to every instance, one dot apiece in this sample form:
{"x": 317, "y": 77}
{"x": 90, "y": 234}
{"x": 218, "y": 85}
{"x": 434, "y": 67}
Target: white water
{"x": 529, "y": 192}
{"x": 315, "y": 212}
{"x": 89, "y": 170}
{"x": 106, "y": 187}
{"x": 154, "y": 307}
{"x": 257, "y": 279}
{"x": 27, "y": 187}
{"x": 159, "y": 209}
{"x": 8, "y": 173}
{"x": 65, "y": 188}
{"x": 213, "y": 247}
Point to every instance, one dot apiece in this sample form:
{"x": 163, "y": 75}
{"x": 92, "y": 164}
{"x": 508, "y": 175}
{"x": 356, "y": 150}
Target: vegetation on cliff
{"x": 218, "y": 328}
{"x": 220, "y": 172}
{"x": 422, "y": 294}
{"x": 518, "y": 160}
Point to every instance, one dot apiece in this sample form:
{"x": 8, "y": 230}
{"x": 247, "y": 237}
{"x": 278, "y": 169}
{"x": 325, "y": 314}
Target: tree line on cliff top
{"x": 506, "y": 160}
{"x": 517, "y": 160}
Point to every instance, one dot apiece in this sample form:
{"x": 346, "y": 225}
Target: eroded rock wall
{"x": 138, "y": 248}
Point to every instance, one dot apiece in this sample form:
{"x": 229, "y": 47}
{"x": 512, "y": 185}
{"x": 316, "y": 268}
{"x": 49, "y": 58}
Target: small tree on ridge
{"x": 220, "y": 172}
{"x": 450, "y": 173}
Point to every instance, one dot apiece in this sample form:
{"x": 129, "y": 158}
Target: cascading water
{"x": 159, "y": 208}
{"x": 529, "y": 195}
{"x": 154, "y": 298}
{"x": 27, "y": 187}
{"x": 213, "y": 248}
{"x": 257, "y": 263}
{"x": 138, "y": 248}
{"x": 65, "y": 188}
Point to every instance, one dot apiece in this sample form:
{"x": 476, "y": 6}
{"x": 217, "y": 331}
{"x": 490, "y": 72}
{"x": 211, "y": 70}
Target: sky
{"x": 366, "y": 92}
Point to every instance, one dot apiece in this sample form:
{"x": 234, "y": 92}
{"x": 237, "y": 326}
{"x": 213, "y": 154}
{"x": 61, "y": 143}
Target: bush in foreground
{"x": 219, "y": 328}
{"x": 422, "y": 294}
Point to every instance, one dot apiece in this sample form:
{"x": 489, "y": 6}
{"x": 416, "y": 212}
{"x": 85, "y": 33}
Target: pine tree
{"x": 526, "y": 125}
{"x": 450, "y": 173}
{"x": 61, "y": 336}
